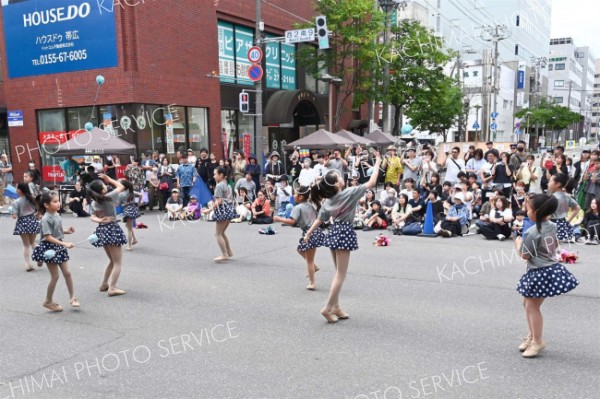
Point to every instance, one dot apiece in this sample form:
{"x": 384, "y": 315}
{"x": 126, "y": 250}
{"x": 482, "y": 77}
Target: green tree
{"x": 355, "y": 26}
{"x": 416, "y": 58}
{"x": 550, "y": 115}
{"x": 438, "y": 108}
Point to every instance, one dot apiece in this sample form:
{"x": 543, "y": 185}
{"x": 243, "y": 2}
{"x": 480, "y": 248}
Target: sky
{"x": 579, "y": 19}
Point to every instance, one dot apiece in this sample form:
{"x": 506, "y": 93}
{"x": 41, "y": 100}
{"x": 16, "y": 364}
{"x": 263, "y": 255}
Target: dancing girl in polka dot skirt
{"x": 335, "y": 202}
{"x": 545, "y": 277}
{"x": 109, "y": 233}
{"x": 53, "y": 250}
{"x": 304, "y": 214}
{"x": 27, "y": 227}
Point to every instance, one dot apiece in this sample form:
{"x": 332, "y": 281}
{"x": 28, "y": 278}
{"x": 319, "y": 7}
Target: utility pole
{"x": 538, "y": 64}
{"x": 495, "y": 34}
{"x": 258, "y": 119}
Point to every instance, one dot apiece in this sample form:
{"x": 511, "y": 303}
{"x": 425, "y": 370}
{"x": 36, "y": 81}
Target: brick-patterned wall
{"x": 165, "y": 49}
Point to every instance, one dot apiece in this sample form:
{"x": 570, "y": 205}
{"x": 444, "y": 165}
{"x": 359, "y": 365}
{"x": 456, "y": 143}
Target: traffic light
{"x": 322, "y": 32}
{"x": 244, "y": 102}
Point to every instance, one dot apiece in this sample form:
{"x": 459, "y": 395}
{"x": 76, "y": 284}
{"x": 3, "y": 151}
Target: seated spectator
{"x": 517, "y": 224}
{"x": 417, "y": 205}
{"x": 376, "y": 219}
{"x": 499, "y": 221}
{"x": 243, "y": 206}
{"x": 270, "y": 192}
{"x": 77, "y": 201}
{"x": 401, "y": 214}
{"x": 434, "y": 184}
{"x": 365, "y": 204}
{"x": 437, "y": 206}
{"x": 308, "y": 174}
{"x": 261, "y": 210}
{"x": 384, "y": 193}
{"x": 591, "y": 222}
{"x": 247, "y": 183}
{"x": 388, "y": 203}
{"x": 458, "y": 216}
{"x": 518, "y": 198}
{"x": 284, "y": 193}
{"x": 193, "y": 209}
{"x": 175, "y": 206}
{"x": 487, "y": 209}
{"x": 409, "y": 187}
{"x": 445, "y": 194}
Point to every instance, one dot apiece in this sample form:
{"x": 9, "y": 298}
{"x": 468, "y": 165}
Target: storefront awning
{"x": 289, "y": 106}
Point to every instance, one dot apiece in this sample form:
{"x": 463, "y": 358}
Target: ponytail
{"x": 544, "y": 206}
{"x": 24, "y": 188}
{"x": 94, "y": 192}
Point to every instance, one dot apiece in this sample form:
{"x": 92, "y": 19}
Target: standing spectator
{"x": 428, "y": 166}
{"x": 454, "y": 165}
{"x": 186, "y": 177}
{"x": 519, "y": 156}
{"x": 392, "y": 164}
{"x": 490, "y": 146}
{"x": 475, "y": 164}
{"x": 592, "y": 179}
{"x": 191, "y": 157}
{"x": 412, "y": 165}
{"x": 165, "y": 185}
{"x": 212, "y": 165}
{"x": 6, "y": 176}
{"x": 320, "y": 167}
{"x": 254, "y": 168}
{"x": 336, "y": 162}
{"x": 111, "y": 165}
{"x": 135, "y": 175}
{"x": 274, "y": 170}
{"x": 247, "y": 184}
{"x": 581, "y": 166}
{"x": 528, "y": 173}
{"x": 202, "y": 166}
{"x": 469, "y": 154}
{"x": 71, "y": 169}
{"x": 148, "y": 165}
{"x": 503, "y": 173}
{"x": 293, "y": 170}
{"x": 97, "y": 164}
{"x": 284, "y": 193}
{"x": 37, "y": 175}
{"x": 307, "y": 174}
{"x": 238, "y": 166}
{"x": 551, "y": 167}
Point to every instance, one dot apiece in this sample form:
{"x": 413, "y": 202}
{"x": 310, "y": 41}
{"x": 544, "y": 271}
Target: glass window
{"x": 78, "y": 117}
{"x": 245, "y": 139}
{"x": 550, "y": 67}
{"x": 235, "y": 127}
{"x": 198, "y": 129}
{"x": 560, "y": 66}
{"x": 558, "y": 100}
{"x": 229, "y": 129}
{"x": 52, "y": 133}
{"x": 559, "y": 83}
{"x": 465, "y": 74}
{"x": 179, "y": 127}
{"x": 149, "y": 128}
{"x": 475, "y": 74}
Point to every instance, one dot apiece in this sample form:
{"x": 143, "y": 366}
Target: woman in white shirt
{"x": 428, "y": 166}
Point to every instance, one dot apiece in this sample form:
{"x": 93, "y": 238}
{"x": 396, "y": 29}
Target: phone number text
{"x": 65, "y": 56}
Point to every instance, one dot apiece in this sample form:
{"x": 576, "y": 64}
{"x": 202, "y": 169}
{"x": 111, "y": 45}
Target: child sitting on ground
{"x": 193, "y": 208}
{"x": 175, "y": 206}
{"x": 517, "y": 224}
{"x": 377, "y": 218}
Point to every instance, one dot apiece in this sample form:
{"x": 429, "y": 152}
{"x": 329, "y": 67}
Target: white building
{"x": 596, "y": 101}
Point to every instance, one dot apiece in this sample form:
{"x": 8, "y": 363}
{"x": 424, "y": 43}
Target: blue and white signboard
{"x": 15, "y": 118}
{"x": 55, "y": 36}
{"x": 476, "y": 125}
{"x": 521, "y": 76}
{"x": 494, "y": 126}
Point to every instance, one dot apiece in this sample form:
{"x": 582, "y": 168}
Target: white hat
{"x": 460, "y": 197}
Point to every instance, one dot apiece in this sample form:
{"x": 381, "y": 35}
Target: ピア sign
{"x": 15, "y": 118}
{"x": 55, "y": 36}
{"x": 255, "y": 72}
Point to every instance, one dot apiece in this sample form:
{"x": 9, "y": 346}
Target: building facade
{"x": 171, "y": 77}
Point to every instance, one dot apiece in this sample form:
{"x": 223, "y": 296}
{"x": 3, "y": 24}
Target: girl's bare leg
{"x": 220, "y": 234}
{"x": 53, "y": 269}
{"x": 227, "y": 245}
{"x": 342, "y": 258}
{"x": 26, "y": 251}
{"x": 64, "y": 268}
{"x": 309, "y": 256}
{"x": 108, "y": 270}
{"x": 532, "y": 305}
{"x": 116, "y": 253}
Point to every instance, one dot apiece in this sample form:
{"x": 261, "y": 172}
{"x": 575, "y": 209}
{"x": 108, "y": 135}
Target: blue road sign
{"x": 476, "y": 125}
{"x": 494, "y": 126}
{"x": 494, "y": 115}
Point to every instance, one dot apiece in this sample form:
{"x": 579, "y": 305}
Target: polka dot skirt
{"x": 316, "y": 240}
{"x": 564, "y": 230}
{"x": 341, "y": 236}
{"x": 109, "y": 234}
{"x": 224, "y": 212}
{"x": 27, "y": 225}
{"x": 131, "y": 211}
{"x": 61, "y": 253}
{"x": 547, "y": 282}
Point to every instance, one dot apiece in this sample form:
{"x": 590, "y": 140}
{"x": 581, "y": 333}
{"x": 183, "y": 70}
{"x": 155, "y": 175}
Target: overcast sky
{"x": 579, "y": 19}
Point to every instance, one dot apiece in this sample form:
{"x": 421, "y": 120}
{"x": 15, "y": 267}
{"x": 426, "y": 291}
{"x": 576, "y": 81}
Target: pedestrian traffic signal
{"x": 244, "y": 102}
{"x": 322, "y": 32}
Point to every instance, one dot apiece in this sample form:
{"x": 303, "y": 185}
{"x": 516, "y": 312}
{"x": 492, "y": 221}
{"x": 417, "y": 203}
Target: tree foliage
{"x": 549, "y": 115}
{"x": 416, "y": 59}
{"x": 352, "y": 56}
{"x": 439, "y": 108}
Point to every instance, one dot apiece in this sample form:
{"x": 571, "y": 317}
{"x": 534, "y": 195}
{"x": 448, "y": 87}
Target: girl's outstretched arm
{"x": 279, "y": 219}
{"x": 373, "y": 180}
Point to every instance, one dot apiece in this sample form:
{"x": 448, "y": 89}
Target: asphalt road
{"x": 190, "y": 328}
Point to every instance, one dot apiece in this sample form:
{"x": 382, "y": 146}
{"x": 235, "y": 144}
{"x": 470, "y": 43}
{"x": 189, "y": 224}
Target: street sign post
{"x": 476, "y": 125}
{"x": 494, "y": 126}
{"x": 300, "y": 35}
{"x": 255, "y": 54}
{"x": 494, "y": 115}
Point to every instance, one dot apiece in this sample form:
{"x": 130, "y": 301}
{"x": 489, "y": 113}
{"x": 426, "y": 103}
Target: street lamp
{"x": 388, "y": 6}
{"x": 333, "y": 81}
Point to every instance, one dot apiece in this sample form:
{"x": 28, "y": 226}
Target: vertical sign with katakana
{"x": 288, "y": 66}
{"x": 244, "y": 39}
{"x": 226, "y": 52}
{"x": 273, "y": 58}
{"x": 55, "y": 36}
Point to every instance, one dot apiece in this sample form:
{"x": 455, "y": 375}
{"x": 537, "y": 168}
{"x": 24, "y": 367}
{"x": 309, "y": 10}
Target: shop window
{"x": 52, "y": 133}
{"x": 238, "y": 132}
{"x": 198, "y": 129}
{"x": 78, "y": 117}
